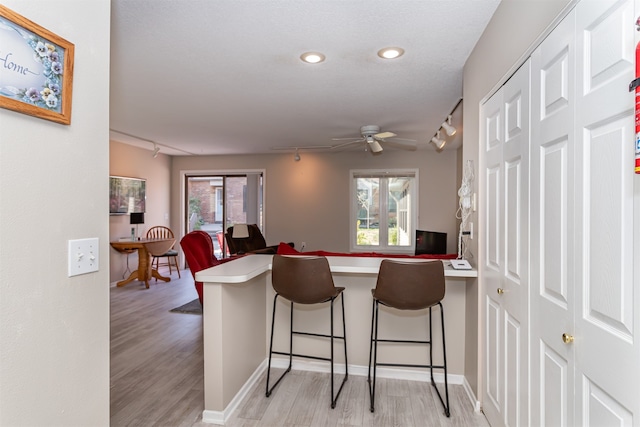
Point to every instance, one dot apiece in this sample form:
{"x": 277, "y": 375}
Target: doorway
{"x": 215, "y": 202}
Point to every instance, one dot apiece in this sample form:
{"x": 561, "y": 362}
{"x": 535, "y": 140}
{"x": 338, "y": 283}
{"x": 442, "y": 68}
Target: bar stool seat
{"x": 305, "y": 280}
{"x": 405, "y": 285}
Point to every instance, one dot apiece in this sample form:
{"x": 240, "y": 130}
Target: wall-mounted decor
{"x": 36, "y": 69}
{"x": 127, "y": 195}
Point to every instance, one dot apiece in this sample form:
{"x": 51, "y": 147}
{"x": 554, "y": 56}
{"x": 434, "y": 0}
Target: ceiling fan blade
{"x": 346, "y": 139}
{"x": 408, "y": 145}
{"x": 345, "y": 144}
{"x": 375, "y": 146}
{"x": 384, "y": 135}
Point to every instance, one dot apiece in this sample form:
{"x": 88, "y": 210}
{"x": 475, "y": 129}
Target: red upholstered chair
{"x": 198, "y": 251}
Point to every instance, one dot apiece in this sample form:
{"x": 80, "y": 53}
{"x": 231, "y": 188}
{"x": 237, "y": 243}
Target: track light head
{"x": 439, "y": 143}
{"x": 446, "y": 125}
{"x": 156, "y": 150}
{"x": 296, "y": 156}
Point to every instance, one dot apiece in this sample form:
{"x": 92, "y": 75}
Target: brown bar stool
{"x": 305, "y": 280}
{"x": 408, "y": 286}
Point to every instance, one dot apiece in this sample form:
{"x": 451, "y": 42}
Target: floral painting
{"x": 35, "y": 69}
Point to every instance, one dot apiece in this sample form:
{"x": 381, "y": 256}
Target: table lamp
{"x": 136, "y": 218}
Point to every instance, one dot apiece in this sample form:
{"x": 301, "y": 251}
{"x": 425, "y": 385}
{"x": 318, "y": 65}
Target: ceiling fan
{"x": 372, "y": 137}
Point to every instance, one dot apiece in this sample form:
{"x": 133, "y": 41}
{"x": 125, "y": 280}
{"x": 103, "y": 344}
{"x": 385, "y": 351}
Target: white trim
{"x": 220, "y": 418}
{"x": 361, "y": 371}
{"x": 471, "y": 395}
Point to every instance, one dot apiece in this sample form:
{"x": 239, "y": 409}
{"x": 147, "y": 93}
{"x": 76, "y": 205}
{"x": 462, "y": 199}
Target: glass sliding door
{"x": 216, "y": 202}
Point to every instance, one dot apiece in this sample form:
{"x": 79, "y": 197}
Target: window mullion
{"x": 383, "y": 226}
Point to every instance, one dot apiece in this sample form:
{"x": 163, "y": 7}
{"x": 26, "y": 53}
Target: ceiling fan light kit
{"x": 374, "y": 145}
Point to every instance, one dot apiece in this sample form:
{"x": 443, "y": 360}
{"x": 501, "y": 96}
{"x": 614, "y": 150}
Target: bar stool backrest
{"x": 410, "y": 285}
{"x": 303, "y": 279}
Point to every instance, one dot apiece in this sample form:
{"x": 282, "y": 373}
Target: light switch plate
{"x": 83, "y": 256}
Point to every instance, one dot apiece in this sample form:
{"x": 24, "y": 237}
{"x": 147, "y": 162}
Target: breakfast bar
{"x": 237, "y": 306}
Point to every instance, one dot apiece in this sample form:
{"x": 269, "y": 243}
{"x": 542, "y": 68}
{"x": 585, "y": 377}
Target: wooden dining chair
{"x": 162, "y": 232}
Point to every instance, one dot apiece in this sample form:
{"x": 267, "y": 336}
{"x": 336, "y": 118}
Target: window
{"x": 383, "y": 211}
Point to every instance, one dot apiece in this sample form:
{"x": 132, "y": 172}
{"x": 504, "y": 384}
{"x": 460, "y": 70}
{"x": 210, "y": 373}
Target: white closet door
{"x": 505, "y": 133}
{"x": 552, "y": 227}
{"x": 606, "y": 338}
{"x": 492, "y": 139}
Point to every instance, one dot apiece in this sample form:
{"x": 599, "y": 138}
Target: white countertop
{"x": 245, "y": 268}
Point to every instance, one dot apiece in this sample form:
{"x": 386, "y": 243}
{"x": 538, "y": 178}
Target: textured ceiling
{"x": 224, "y": 77}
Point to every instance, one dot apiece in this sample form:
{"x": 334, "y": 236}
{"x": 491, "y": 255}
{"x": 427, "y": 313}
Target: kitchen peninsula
{"x": 237, "y": 307}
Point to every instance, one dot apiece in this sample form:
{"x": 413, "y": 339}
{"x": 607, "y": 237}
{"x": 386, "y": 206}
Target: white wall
{"x": 514, "y": 28}
{"x": 54, "y": 330}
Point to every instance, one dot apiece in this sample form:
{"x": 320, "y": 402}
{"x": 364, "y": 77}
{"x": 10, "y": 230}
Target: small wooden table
{"x": 146, "y": 248}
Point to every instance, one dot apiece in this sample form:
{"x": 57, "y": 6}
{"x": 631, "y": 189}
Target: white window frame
{"x": 353, "y": 211}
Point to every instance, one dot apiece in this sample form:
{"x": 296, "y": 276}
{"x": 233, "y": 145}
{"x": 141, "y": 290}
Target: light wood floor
{"x": 157, "y": 376}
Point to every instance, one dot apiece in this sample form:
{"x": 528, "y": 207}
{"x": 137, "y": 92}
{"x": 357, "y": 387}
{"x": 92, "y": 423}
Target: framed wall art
{"x": 127, "y": 195}
{"x": 36, "y": 69}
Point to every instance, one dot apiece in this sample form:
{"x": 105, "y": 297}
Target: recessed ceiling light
{"x": 390, "y": 52}
{"x": 312, "y": 57}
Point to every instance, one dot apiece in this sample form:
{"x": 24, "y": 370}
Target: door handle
{"x": 567, "y": 339}
{"x": 500, "y": 291}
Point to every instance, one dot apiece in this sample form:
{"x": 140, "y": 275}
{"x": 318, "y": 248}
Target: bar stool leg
{"x": 273, "y": 320}
{"x": 444, "y": 354}
{"x": 344, "y": 335}
{"x": 373, "y": 305}
{"x": 346, "y": 362}
{"x": 374, "y": 345}
{"x": 333, "y": 402}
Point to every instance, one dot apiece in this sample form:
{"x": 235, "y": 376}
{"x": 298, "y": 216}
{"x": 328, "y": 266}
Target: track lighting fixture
{"x": 296, "y": 156}
{"x": 446, "y": 125}
{"x": 156, "y": 150}
{"x": 438, "y": 142}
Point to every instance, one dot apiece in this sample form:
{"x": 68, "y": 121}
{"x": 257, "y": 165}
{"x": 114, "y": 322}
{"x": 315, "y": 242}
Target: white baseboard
{"x": 398, "y": 374}
{"x": 472, "y": 397}
{"x": 220, "y": 417}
